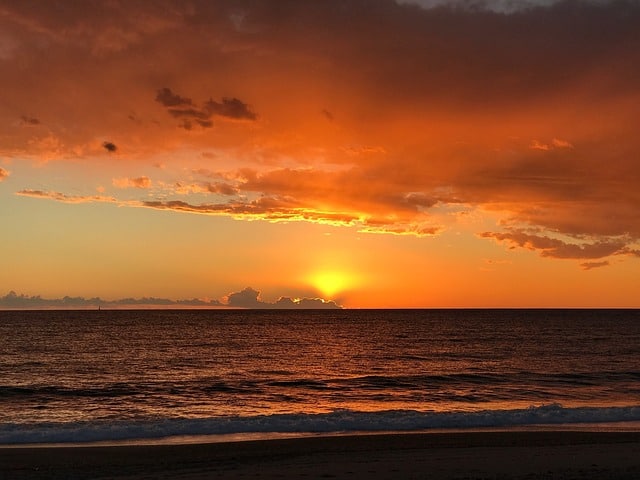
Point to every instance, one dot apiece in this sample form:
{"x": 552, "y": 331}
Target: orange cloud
{"x": 264, "y": 208}
{"x": 380, "y": 123}
{"x": 138, "y": 182}
{"x": 3, "y": 174}
{"x": 221, "y": 188}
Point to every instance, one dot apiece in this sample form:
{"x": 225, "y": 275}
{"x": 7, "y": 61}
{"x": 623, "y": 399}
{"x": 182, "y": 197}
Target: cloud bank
{"x": 250, "y": 298}
{"x": 389, "y": 117}
{"x": 245, "y": 299}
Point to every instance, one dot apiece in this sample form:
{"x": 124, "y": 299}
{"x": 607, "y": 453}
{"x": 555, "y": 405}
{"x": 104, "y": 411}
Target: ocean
{"x": 139, "y": 375}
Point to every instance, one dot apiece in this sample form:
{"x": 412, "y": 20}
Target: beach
{"x": 494, "y": 454}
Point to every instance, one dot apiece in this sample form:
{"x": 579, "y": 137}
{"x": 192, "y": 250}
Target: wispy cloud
{"x": 62, "y": 197}
{"x": 592, "y": 265}
{"x": 3, "y": 174}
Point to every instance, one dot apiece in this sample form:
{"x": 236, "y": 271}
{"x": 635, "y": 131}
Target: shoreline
{"x": 564, "y": 454}
{"x": 191, "y": 439}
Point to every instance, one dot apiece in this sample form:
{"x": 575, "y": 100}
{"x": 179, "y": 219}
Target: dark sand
{"x": 463, "y": 455}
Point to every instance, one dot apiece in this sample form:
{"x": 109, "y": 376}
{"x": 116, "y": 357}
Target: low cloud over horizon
{"x": 245, "y": 299}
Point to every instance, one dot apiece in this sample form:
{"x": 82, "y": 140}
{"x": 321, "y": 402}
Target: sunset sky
{"x": 378, "y": 153}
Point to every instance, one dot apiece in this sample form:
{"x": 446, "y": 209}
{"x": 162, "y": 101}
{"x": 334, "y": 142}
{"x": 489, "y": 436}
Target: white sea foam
{"x": 334, "y": 422}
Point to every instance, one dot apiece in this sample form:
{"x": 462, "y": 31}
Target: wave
{"x": 421, "y": 382}
{"x": 340, "y": 421}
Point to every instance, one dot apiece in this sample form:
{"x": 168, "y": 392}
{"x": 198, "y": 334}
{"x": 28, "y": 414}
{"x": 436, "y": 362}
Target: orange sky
{"x": 375, "y": 153}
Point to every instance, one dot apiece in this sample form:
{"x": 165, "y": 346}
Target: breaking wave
{"x": 340, "y": 421}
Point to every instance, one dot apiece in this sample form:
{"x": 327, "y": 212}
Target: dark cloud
{"x": 230, "y": 108}
{"x": 190, "y": 114}
{"x": 328, "y": 115}
{"x": 169, "y": 99}
{"x": 556, "y": 248}
{"x": 110, "y": 147}
{"x": 247, "y": 298}
{"x": 250, "y": 298}
{"x": 29, "y": 121}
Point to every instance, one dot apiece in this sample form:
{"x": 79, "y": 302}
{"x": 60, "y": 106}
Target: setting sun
{"x": 332, "y": 282}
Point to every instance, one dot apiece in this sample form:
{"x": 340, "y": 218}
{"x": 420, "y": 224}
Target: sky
{"x": 373, "y": 153}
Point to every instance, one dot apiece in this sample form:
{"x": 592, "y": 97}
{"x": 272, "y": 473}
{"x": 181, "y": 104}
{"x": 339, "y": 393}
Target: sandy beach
{"x": 528, "y": 454}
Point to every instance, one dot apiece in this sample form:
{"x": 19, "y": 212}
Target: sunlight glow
{"x": 329, "y": 283}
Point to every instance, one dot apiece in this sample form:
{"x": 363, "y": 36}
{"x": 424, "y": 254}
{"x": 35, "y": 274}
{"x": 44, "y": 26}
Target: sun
{"x": 329, "y": 283}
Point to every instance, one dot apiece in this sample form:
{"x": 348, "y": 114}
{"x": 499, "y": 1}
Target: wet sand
{"x": 461, "y": 455}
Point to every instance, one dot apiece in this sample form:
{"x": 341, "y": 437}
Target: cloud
{"x": 169, "y": 99}
{"x": 14, "y": 301}
{"x": 220, "y": 188}
{"x": 555, "y": 143}
{"x": 561, "y": 143}
{"x": 247, "y": 298}
{"x": 266, "y": 208}
{"x": 138, "y": 182}
{"x": 250, "y": 298}
{"x": 592, "y": 265}
{"x": 274, "y": 209}
{"x": 536, "y": 145}
{"x": 3, "y": 174}
{"x": 230, "y": 108}
{"x": 62, "y": 197}
{"x": 183, "y": 108}
{"x": 528, "y": 116}
{"x": 110, "y": 147}
{"x": 399, "y": 229}
{"x": 498, "y": 6}
{"x": 29, "y": 121}
{"x": 327, "y": 114}
{"x": 556, "y": 248}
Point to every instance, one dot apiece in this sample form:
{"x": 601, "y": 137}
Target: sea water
{"x": 83, "y": 376}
